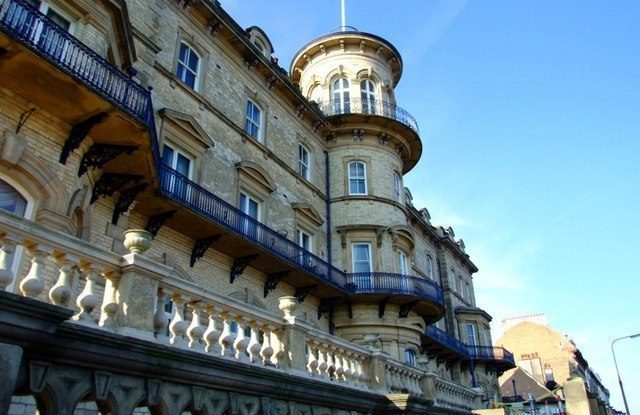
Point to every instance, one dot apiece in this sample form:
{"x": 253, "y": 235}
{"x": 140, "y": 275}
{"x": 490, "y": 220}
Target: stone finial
{"x": 288, "y": 304}
{"x": 137, "y": 240}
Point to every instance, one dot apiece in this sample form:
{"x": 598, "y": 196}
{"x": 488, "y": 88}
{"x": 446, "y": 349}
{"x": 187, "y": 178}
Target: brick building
{"x": 187, "y": 227}
{"x": 554, "y": 361}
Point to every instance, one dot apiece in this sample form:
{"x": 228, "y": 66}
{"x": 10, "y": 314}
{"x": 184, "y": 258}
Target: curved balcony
{"x": 374, "y": 107}
{"x": 427, "y": 296}
{"x": 498, "y": 356}
{"x": 442, "y": 343}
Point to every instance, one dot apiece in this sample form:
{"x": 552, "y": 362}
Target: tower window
{"x": 341, "y": 98}
{"x": 368, "y": 96}
{"x": 357, "y": 178}
{"x": 397, "y": 187}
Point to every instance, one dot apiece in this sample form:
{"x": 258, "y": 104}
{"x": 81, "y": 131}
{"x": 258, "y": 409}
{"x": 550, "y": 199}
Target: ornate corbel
{"x": 300, "y": 110}
{"x": 155, "y": 222}
{"x": 99, "y": 155}
{"x": 125, "y": 200}
{"x": 200, "y": 248}
{"x": 109, "y": 183}
{"x": 78, "y": 133}
{"x": 239, "y": 265}
{"x": 272, "y": 82}
{"x": 214, "y": 26}
{"x": 383, "y": 139}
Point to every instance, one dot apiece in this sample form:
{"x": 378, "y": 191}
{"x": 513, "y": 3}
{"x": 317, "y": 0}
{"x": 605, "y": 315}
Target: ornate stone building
{"x": 187, "y": 227}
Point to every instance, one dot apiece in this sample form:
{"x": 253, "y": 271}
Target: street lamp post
{"x": 624, "y": 398}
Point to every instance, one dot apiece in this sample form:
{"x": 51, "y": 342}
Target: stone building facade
{"x": 189, "y": 228}
{"x": 553, "y": 360}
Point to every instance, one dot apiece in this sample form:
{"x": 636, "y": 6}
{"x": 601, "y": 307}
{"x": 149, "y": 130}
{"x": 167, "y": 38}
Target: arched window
{"x": 341, "y": 98}
{"x": 429, "y": 267}
{"x": 11, "y": 201}
{"x": 253, "y": 123}
{"x": 357, "y": 178}
{"x": 188, "y": 69}
{"x": 368, "y": 96}
{"x": 397, "y": 187}
{"x": 304, "y": 162}
{"x": 410, "y": 357}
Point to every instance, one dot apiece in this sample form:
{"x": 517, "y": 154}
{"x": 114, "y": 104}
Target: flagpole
{"x": 344, "y": 16}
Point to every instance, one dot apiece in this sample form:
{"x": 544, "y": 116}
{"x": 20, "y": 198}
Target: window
{"x": 401, "y": 259}
{"x": 368, "y": 96}
{"x": 410, "y": 357}
{"x": 459, "y": 288}
{"x": 50, "y": 40}
{"x": 467, "y": 291}
{"x": 357, "y": 178}
{"x": 341, "y": 99}
{"x": 472, "y": 339}
{"x": 251, "y": 208}
{"x": 10, "y": 200}
{"x": 361, "y": 258}
{"x": 188, "y": 66}
{"x": 305, "y": 241}
{"x": 253, "y": 123}
{"x": 304, "y": 162}
{"x": 397, "y": 188}
{"x": 452, "y": 280}
{"x": 177, "y": 160}
{"x": 429, "y": 267}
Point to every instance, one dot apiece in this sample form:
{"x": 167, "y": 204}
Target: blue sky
{"x": 529, "y": 113}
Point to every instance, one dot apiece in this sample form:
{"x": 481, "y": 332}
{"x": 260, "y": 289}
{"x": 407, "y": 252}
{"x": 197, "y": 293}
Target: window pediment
{"x": 187, "y": 125}
{"x": 402, "y": 237}
{"x": 257, "y": 174}
{"x": 308, "y": 212}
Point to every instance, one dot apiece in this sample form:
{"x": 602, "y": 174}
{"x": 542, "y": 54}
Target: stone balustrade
{"x": 137, "y": 296}
{"x": 401, "y": 378}
{"x": 452, "y": 395}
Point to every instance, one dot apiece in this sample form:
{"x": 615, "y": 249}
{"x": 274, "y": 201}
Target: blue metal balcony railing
{"x": 370, "y": 107}
{"x": 193, "y": 196}
{"x": 447, "y": 340}
{"x": 44, "y": 37}
{"x": 490, "y": 353}
{"x": 384, "y": 282}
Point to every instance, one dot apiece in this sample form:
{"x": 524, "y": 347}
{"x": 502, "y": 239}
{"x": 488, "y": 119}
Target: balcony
{"x": 440, "y": 343}
{"x": 43, "y": 63}
{"x": 400, "y": 289}
{"x": 276, "y": 254}
{"x": 499, "y": 357}
{"x": 370, "y": 107}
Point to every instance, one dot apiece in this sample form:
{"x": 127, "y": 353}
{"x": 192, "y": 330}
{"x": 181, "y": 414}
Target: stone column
{"x": 136, "y": 297}
{"x": 378, "y": 375}
{"x": 10, "y": 358}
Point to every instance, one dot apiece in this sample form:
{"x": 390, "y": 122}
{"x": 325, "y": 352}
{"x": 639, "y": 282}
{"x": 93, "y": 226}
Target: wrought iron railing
{"x": 372, "y": 107}
{"x": 196, "y": 198}
{"x": 44, "y": 37}
{"x": 385, "y": 282}
{"x": 490, "y": 353}
{"x": 447, "y": 340}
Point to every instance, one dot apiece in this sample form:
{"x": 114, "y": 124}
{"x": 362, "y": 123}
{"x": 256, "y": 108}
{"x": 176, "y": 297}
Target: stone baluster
{"x": 346, "y": 367}
{"x": 338, "y": 364}
{"x": 33, "y": 283}
{"x": 354, "y": 369}
{"x": 254, "y": 346}
{"x": 226, "y": 337}
{"x": 279, "y": 354}
{"x": 60, "y": 293}
{"x": 312, "y": 360}
{"x": 195, "y": 331}
{"x": 212, "y": 334}
{"x": 266, "y": 352}
{"x": 241, "y": 342}
{"x": 160, "y": 319}
{"x": 109, "y": 299}
{"x": 87, "y": 301}
{"x": 322, "y": 360}
{"x": 362, "y": 375}
{"x": 7, "y": 252}
{"x": 331, "y": 364}
{"x": 178, "y": 326}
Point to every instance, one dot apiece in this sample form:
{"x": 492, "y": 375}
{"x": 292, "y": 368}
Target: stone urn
{"x": 288, "y": 304}
{"x": 137, "y": 240}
